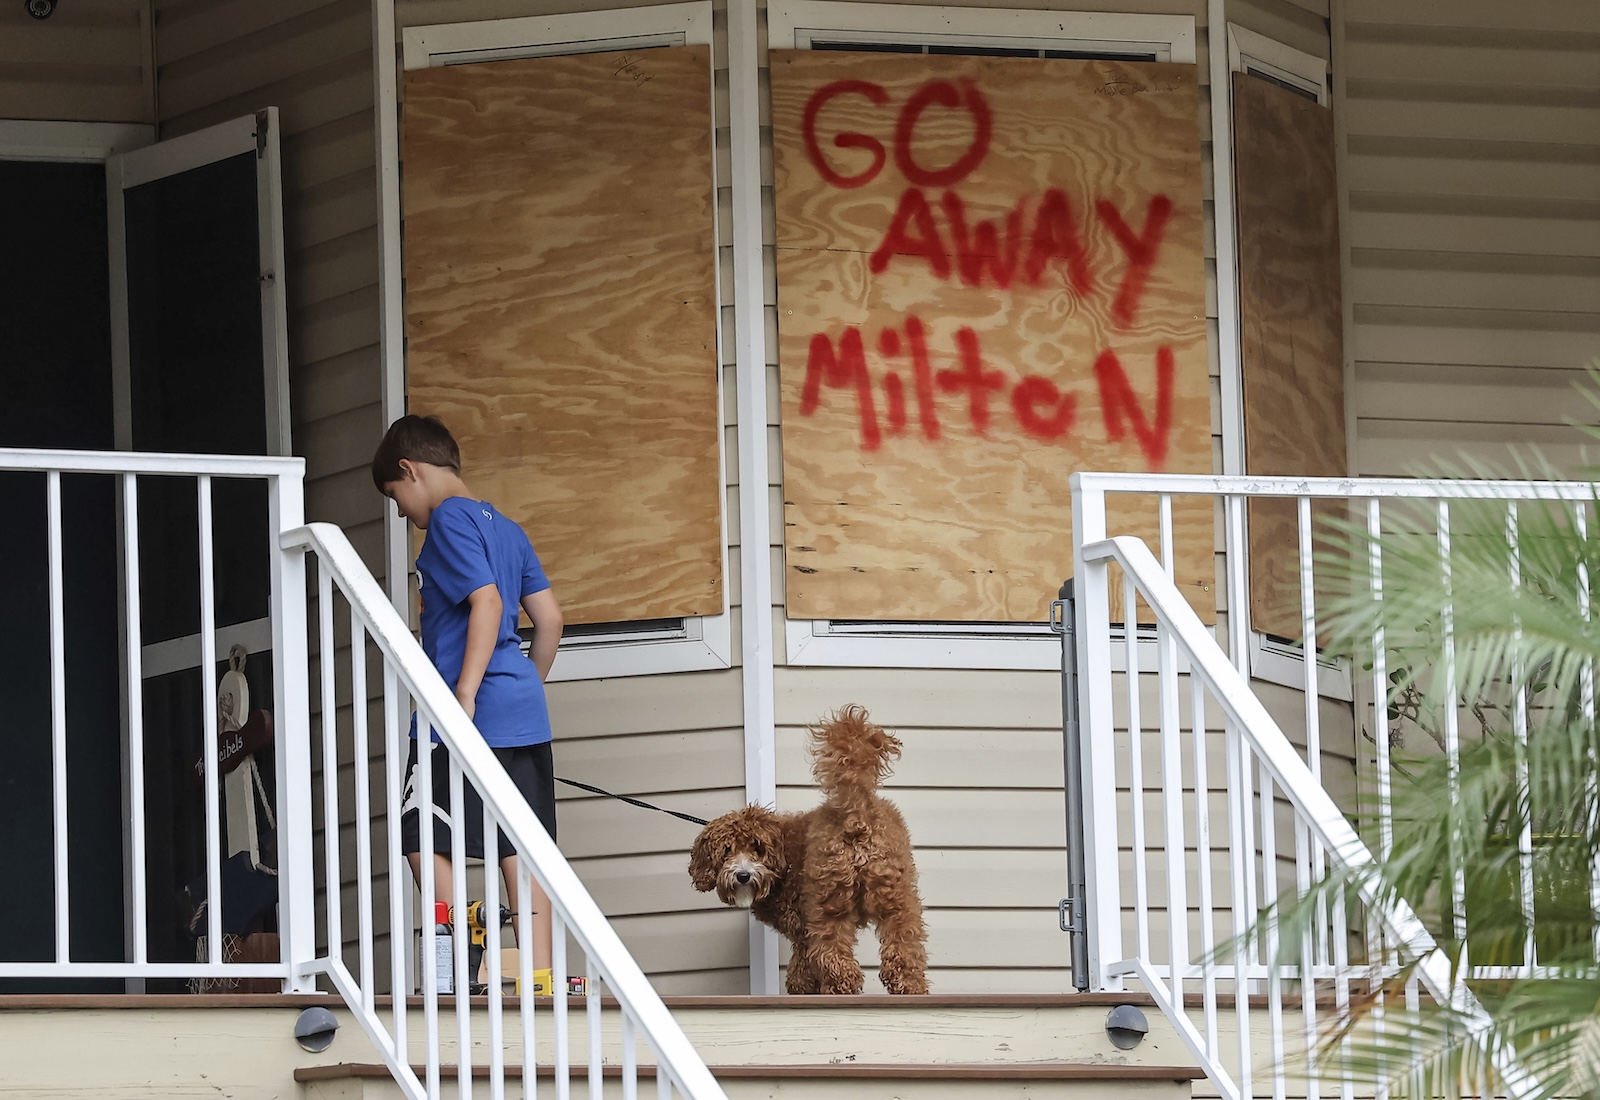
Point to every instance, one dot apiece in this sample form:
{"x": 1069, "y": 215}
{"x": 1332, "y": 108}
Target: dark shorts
{"x": 530, "y": 769}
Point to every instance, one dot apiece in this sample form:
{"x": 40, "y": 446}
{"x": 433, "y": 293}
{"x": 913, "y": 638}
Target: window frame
{"x": 701, "y": 642}
{"x": 1248, "y": 49}
{"x": 1272, "y": 660}
{"x": 796, "y": 24}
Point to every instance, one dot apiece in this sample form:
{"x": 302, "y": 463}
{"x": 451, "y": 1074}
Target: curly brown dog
{"x": 819, "y": 876}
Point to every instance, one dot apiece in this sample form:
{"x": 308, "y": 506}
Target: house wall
{"x": 1470, "y": 138}
{"x": 86, "y": 63}
{"x": 980, "y": 782}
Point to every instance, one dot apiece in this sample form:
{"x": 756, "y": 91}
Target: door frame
{"x": 125, "y": 169}
{"x": 257, "y": 133}
{"x": 88, "y": 142}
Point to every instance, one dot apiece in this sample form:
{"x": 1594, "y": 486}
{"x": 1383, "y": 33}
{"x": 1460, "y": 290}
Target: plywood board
{"x": 1291, "y": 321}
{"x": 990, "y": 275}
{"x": 561, "y": 313}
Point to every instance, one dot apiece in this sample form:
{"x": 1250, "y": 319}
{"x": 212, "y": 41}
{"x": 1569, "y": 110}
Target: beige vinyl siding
{"x": 980, "y": 787}
{"x": 1301, "y": 24}
{"x": 89, "y": 62}
{"x": 674, "y": 740}
{"x": 1471, "y": 133}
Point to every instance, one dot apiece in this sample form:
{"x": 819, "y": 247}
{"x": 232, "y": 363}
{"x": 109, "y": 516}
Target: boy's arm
{"x": 545, "y": 614}
{"x": 483, "y": 627}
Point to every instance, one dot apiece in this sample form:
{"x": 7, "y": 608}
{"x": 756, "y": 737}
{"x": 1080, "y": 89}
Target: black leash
{"x": 631, "y": 801}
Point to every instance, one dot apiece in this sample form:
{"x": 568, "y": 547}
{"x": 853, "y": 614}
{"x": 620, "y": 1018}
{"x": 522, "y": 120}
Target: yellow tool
{"x": 477, "y": 939}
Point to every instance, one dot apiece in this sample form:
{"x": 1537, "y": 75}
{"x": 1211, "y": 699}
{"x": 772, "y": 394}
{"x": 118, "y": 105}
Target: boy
{"x": 474, "y": 570}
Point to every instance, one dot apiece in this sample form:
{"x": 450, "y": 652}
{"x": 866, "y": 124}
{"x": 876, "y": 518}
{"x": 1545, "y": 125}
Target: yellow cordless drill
{"x": 478, "y": 940}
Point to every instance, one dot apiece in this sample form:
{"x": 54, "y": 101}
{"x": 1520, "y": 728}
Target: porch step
{"x": 940, "y": 1047}
{"x": 858, "y": 1081}
{"x": 956, "y": 1029}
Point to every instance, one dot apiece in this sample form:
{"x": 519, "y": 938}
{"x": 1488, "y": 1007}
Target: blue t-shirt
{"x": 469, "y": 545}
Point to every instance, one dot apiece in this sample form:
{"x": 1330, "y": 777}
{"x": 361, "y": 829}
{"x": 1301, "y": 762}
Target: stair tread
{"x": 15, "y": 1001}
{"x": 1033, "y": 1071}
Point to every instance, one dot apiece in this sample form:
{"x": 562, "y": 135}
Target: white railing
{"x": 1185, "y": 851}
{"x": 377, "y": 631}
{"x": 352, "y": 805}
{"x": 283, "y": 479}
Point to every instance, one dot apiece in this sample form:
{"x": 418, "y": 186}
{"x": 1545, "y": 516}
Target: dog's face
{"x": 740, "y": 855}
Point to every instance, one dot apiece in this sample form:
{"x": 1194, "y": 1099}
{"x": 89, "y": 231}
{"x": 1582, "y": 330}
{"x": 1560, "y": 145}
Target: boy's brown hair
{"x": 416, "y": 439}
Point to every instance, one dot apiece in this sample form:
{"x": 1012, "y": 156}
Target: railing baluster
{"x": 1452, "y": 737}
{"x": 427, "y": 965}
{"x": 1202, "y": 841}
{"x": 134, "y": 646}
{"x": 363, "y": 807}
{"x": 1172, "y": 809}
{"x": 597, "y": 1061}
{"x": 1164, "y": 524}
{"x": 1519, "y": 722}
{"x": 630, "y": 1061}
{"x": 58, "y": 717}
{"x": 1580, "y": 525}
{"x": 558, "y": 975}
{"x": 491, "y": 953}
{"x": 1240, "y": 860}
{"x": 399, "y": 876}
{"x": 1239, "y": 655}
{"x": 525, "y": 999}
{"x": 1381, "y": 692}
{"x": 1241, "y": 838}
{"x": 459, "y": 930}
{"x": 1341, "y": 980}
{"x": 1141, "y": 881}
{"x": 330, "y": 765}
{"x": 208, "y": 697}
{"x": 1308, "y": 854}
{"x": 1269, "y": 897}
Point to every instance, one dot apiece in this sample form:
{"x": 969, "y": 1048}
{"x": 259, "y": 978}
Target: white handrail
{"x": 152, "y": 462}
{"x": 1364, "y": 488}
{"x": 1266, "y": 742}
{"x": 606, "y": 953}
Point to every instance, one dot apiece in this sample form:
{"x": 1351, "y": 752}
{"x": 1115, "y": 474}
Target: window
{"x": 1273, "y": 658}
{"x": 902, "y": 29}
{"x": 654, "y": 642}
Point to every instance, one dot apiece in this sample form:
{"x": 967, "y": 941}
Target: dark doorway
{"x": 194, "y": 383}
{"x": 55, "y": 391}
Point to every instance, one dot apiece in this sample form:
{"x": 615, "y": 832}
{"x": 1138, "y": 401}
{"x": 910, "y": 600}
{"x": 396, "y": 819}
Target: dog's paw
{"x": 839, "y": 975}
{"x": 899, "y": 979}
{"x": 913, "y": 984}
